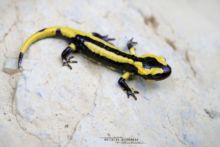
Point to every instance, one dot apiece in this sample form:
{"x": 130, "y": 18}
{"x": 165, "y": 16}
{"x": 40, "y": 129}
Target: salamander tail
{"x": 20, "y": 57}
{"x": 56, "y": 31}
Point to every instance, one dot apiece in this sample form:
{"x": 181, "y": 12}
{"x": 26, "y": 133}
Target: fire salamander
{"x": 99, "y": 48}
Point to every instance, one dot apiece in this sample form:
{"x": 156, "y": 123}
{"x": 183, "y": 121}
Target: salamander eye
{"x": 151, "y": 64}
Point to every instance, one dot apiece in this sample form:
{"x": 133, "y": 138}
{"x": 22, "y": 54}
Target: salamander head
{"x": 153, "y": 67}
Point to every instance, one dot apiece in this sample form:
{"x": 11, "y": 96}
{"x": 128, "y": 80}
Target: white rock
{"x": 11, "y": 66}
{"x": 54, "y": 106}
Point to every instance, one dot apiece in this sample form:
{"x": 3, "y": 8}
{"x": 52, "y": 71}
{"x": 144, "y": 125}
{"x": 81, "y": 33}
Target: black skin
{"x": 128, "y": 90}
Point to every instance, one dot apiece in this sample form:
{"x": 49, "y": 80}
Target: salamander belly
{"x": 110, "y": 59}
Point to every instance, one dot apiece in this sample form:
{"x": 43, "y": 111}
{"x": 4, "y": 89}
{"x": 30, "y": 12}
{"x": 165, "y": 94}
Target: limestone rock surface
{"x": 49, "y": 105}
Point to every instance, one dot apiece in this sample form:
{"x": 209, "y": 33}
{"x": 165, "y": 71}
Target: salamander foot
{"x": 67, "y": 56}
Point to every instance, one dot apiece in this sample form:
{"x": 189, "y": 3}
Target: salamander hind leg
{"x": 124, "y": 85}
{"x": 103, "y": 37}
{"x": 67, "y": 56}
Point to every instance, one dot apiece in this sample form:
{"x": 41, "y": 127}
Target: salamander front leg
{"x": 125, "y": 86}
{"x": 67, "y": 55}
{"x": 131, "y": 45}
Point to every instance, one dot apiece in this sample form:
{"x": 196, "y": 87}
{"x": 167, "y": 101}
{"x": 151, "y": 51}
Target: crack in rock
{"x": 152, "y": 22}
{"x": 8, "y": 31}
{"x": 16, "y": 114}
{"x": 212, "y": 114}
{"x": 187, "y": 57}
{"x": 27, "y": 132}
{"x": 14, "y": 111}
{"x": 14, "y": 24}
{"x": 173, "y": 132}
{"x": 171, "y": 44}
{"x": 79, "y": 122}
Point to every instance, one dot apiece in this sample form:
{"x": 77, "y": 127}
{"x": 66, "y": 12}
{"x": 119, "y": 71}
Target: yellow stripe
{"x": 110, "y": 55}
{"x": 145, "y": 71}
{"x": 160, "y": 59}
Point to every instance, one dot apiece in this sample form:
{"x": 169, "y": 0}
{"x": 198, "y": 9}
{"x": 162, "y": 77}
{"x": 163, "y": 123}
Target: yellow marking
{"x": 132, "y": 51}
{"x": 110, "y": 55}
{"x": 72, "y": 46}
{"x": 126, "y": 75}
{"x": 160, "y": 59}
{"x": 144, "y": 71}
{"x": 155, "y": 71}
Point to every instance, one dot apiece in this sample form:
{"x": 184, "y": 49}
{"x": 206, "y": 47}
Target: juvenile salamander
{"x": 99, "y": 48}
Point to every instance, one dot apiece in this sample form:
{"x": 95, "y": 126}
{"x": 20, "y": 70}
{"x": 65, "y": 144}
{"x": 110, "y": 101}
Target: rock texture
{"x": 50, "y": 105}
